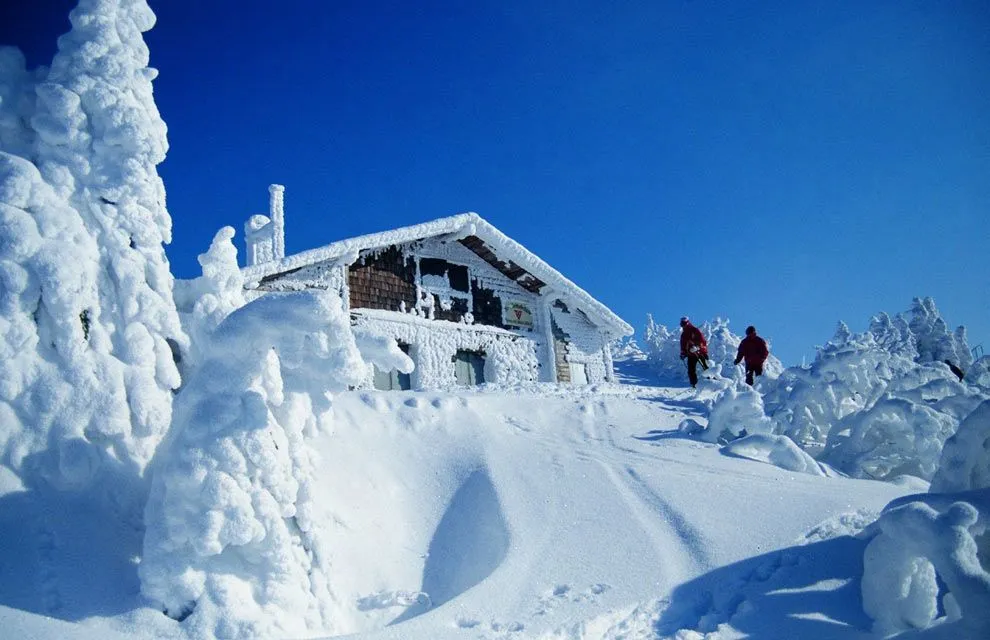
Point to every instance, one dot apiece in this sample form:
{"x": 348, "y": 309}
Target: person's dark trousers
{"x": 692, "y": 362}
{"x": 751, "y": 371}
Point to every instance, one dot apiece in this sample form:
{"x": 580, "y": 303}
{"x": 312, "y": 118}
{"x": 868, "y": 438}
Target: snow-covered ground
{"x": 538, "y": 512}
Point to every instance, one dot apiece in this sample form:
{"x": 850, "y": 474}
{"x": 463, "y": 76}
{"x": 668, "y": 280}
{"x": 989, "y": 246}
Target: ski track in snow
{"x": 642, "y": 503}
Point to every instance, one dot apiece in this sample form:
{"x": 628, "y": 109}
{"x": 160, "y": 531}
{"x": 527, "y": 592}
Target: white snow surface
{"x": 283, "y": 504}
{"x": 531, "y": 512}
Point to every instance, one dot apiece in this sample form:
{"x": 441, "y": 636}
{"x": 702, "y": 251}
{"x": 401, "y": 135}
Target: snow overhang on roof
{"x": 475, "y": 233}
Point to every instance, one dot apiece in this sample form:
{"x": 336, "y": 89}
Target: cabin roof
{"x": 474, "y": 232}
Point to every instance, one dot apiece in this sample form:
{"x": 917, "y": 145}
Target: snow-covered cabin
{"x": 467, "y": 303}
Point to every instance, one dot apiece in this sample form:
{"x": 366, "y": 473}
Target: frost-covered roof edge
{"x": 462, "y": 224}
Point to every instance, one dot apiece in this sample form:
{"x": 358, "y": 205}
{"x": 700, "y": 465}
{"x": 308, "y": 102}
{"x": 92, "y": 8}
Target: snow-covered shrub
{"x": 913, "y": 547}
{"x": 663, "y": 348}
{"x": 893, "y": 437}
{"x": 739, "y": 408}
{"x": 965, "y": 462}
{"x": 848, "y": 374}
{"x": 881, "y": 403}
{"x": 231, "y": 545}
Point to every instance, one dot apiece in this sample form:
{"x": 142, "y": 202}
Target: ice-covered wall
{"x": 509, "y": 357}
{"x": 586, "y": 343}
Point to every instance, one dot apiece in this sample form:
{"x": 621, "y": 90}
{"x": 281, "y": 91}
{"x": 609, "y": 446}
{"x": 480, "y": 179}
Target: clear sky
{"x": 783, "y": 164}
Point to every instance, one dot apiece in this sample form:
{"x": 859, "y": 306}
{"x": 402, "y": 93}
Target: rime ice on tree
{"x": 89, "y": 284}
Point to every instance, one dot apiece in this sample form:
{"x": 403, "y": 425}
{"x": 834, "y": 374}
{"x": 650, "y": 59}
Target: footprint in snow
{"x": 563, "y": 593}
{"x": 467, "y": 623}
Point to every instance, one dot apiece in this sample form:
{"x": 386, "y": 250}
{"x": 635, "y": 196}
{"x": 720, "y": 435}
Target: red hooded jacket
{"x": 692, "y": 336}
{"x": 754, "y": 349}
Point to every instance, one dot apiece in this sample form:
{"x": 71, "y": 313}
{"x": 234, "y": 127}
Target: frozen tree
{"x": 87, "y": 375}
{"x": 204, "y": 302}
{"x": 848, "y": 373}
{"x": 56, "y": 384}
{"x": 231, "y": 545}
{"x": 893, "y": 335}
{"x": 99, "y": 138}
{"x": 871, "y": 404}
{"x": 933, "y": 340}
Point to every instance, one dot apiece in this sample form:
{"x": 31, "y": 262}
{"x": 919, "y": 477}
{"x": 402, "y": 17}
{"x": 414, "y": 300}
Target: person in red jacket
{"x": 754, "y": 350}
{"x": 694, "y": 347}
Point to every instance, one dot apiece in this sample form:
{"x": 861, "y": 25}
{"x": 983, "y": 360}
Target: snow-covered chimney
{"x": 264, "y": 236}
{"x": 276, "y": 212}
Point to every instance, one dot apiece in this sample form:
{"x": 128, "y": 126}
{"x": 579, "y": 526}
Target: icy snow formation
{"x": 915, "y": 543}
{"x": 965, "y": 462}
{"x": 204, "y": 302}
{"x": 739, "y": 408}
{"x": 779, "y": 451}
{"x": 871, "y": 403}
{"x": 87, "y": 294}
{"x": 231, "y": 546}
{"x": 509, "y": 358}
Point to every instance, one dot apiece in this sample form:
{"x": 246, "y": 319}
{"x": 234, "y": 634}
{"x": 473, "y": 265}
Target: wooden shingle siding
{"x": 382, "y": 280}
{"x": 560, "y": 348}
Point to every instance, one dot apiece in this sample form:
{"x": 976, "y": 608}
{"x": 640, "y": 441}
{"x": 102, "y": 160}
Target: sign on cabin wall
{"x": 517, "y": 314}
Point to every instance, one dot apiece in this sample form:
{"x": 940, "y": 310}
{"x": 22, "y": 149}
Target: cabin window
{"x": 469, "y": 368}
{"x": 458, "y": 276}
{"x": 435, "y": 271}
{"x": 393, "y": 380}
{"x": 432, "y": 267}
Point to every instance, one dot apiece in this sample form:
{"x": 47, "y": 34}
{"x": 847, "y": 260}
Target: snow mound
{"x": 779, "y": 451}
{"x": 470, "y": 542}
{"x": 916, "y": 546}
{"x": 737, "y": 411}
{"x": 965, "y": 462}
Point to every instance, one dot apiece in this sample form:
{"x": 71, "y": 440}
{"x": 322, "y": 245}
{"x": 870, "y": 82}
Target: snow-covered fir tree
{"x": 86, "y": 278}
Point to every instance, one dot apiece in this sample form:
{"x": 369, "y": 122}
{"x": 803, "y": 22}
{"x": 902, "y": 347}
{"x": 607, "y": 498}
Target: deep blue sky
{"x": 782, "y": 164}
